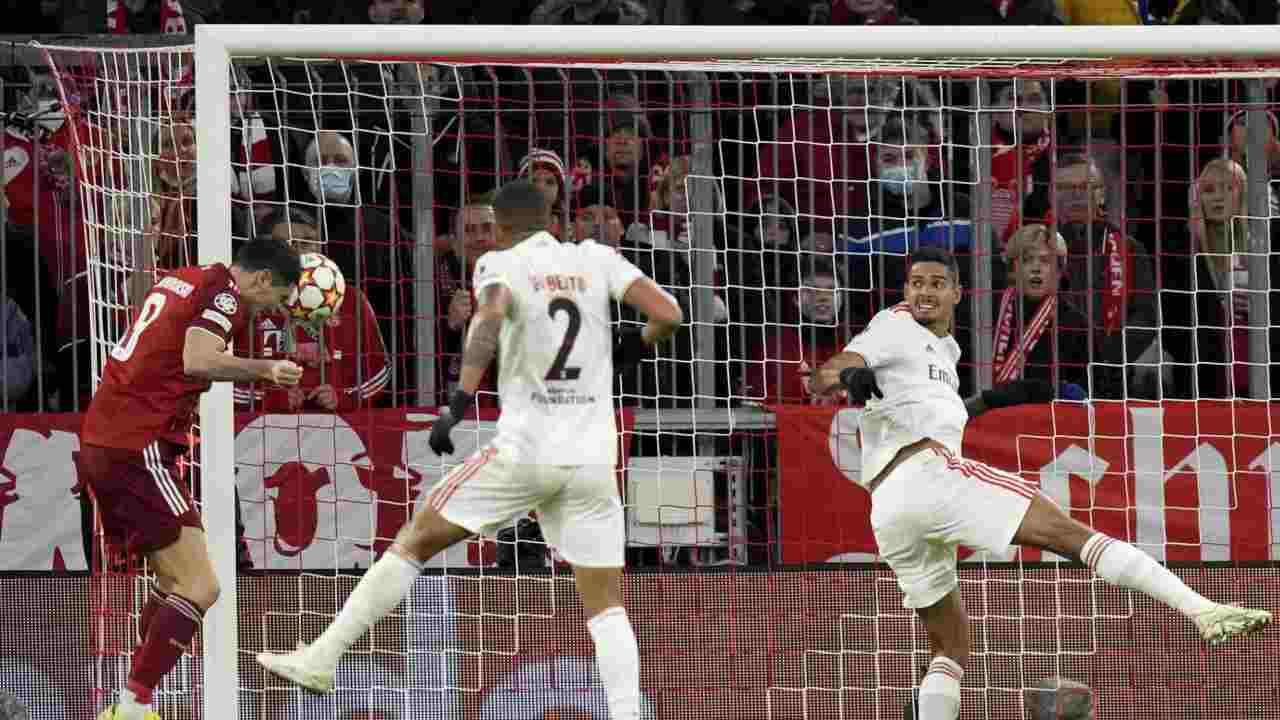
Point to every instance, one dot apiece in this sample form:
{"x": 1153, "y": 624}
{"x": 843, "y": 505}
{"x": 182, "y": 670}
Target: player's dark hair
{"x": 937, "y": 255}
{"x": 267, "y": 253}
{"x": 521, "y": 206}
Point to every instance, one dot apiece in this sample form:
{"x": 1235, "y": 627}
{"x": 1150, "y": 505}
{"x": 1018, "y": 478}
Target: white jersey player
{"x": 545, "y": 306}
{"x": 926, "y": 498}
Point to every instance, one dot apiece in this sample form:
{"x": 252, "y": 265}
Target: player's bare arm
{"x": 482, "y": 338}
{"x": 827, "y": 378}
{"x": 204, "y": 355}
{"x": 660, "y": 309}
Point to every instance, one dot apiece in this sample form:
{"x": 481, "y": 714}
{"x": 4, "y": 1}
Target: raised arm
{"x": 204, "y": 356}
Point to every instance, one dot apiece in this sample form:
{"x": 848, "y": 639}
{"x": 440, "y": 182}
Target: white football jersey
{"x": 916, "y": 372}
{"x": 555, "y": 378}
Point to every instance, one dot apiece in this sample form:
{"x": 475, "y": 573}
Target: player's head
{"x": 520, "y": 209}
{"x": 266, "y": 270}
{"x": 1057, "y": 698}
{"x": 933, "y": 287}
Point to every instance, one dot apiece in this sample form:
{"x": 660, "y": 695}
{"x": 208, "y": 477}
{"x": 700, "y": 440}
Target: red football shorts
{"x": 142, "y": 501}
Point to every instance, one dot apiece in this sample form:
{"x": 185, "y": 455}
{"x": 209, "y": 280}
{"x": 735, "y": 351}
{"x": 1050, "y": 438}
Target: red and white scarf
{"x": 1116, "y": 250}
{"x": 1010, "y": 361}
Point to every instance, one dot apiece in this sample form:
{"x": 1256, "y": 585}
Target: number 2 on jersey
{"x": 147, "y": 314}
{"x": 558, "y": 370}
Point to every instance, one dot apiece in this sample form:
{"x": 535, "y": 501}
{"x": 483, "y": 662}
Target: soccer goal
{"x": 742, "y": 169}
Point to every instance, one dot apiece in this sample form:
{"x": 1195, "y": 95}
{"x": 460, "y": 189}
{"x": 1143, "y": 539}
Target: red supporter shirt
{"x": 145, "y": 395}
{"x": 355, "y": 358}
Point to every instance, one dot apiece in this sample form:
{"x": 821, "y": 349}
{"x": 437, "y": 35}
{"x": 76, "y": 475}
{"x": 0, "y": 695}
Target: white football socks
{"x": 618, "y": 656}
{"x": 1122, "y": 564}
{"x": 128, "y": 708}
{"x": 940, "y": 691}
{"x": 378, "y": 593}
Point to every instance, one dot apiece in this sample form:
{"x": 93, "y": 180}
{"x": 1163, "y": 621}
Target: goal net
{"x": 1110, "y": 214}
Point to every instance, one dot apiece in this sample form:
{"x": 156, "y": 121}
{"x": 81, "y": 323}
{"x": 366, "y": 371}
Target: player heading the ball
{"x": 544, "y": 307}
{"x": 926, "y": 499}
{"x": 138, "y": 425}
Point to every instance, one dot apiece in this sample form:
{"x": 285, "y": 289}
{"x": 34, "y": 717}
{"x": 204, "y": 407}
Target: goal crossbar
{"x": 718, "y": 43}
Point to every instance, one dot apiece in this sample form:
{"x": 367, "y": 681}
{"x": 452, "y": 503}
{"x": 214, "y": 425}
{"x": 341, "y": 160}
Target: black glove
{"x": 1018, "y": 392}
{"x": 629, "y": 348}
{"x": 861, "y": 384}
{"x": 458, "y": 404}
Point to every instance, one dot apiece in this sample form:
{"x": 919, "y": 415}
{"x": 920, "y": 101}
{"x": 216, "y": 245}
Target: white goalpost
{"x": 705, "y": 446}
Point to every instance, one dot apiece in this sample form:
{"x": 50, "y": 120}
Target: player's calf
{"x": 617, "y": 653}
{"x": 1046, "y": 526}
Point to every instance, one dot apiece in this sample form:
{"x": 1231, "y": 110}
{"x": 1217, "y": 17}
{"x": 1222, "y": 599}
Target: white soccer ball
{"x": 319, "y": 292}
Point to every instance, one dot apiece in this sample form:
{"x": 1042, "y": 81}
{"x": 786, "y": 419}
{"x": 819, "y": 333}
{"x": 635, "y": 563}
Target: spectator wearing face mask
{"x": 362, "y": 240}
{"x": 909, "y": 208}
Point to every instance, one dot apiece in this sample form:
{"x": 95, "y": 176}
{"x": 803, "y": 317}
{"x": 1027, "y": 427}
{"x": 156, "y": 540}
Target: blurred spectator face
{"x": 866, "y": 101}
{"x": 623, "y": 148}
{"x": 774, "y": 231}
{"x": 303, "y": 236}
{"x": 819, "y": 242}
{"x": 396, "y": 12}
{"x": 899, "y": 167}
{"x": 547, "y": 182}
{"x": 1079, "y": 192}
{"x": 478, "y": 228}
{"x": 1221, "y": 193}
{"x": 332, "y": 163}
{"x": 176, "y": 158}
{"x": 1036, "y": 270}
{"x": 600, "y": 223}
{"x": 1031, "y": 109}
{"x": 819, "y": 302}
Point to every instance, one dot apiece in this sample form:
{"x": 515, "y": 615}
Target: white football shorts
{"x": 933, "y": 502}
{"x": 578, "y": 505}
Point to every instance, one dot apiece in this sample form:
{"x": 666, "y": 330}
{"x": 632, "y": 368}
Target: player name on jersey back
{"x": 556, "y": 349}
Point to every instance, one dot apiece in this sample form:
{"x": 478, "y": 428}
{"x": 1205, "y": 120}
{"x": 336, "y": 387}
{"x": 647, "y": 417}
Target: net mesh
{"x": 756, "y": 193}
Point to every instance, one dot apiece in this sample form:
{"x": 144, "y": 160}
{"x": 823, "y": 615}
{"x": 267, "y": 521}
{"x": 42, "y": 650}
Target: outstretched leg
{"x": 1048, "y": 527}
{"x": 617, "y": 653}
{"x": 375, "y": 596}
{"x": 948, "y": 627}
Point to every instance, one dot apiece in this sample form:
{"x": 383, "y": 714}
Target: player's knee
{"x": 599, "y": 589}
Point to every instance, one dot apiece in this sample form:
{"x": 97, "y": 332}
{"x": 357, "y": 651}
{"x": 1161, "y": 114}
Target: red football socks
{"x": 169, "y": 632}
{"x": 154, "y": 600}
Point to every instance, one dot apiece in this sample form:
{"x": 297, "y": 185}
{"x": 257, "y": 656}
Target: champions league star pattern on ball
{"x": 319, "y": 293}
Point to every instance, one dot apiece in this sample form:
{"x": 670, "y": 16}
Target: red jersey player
{"x": 136, "y": 428}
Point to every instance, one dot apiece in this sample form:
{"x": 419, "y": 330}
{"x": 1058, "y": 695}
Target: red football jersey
{"x": 144, "y": 394}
